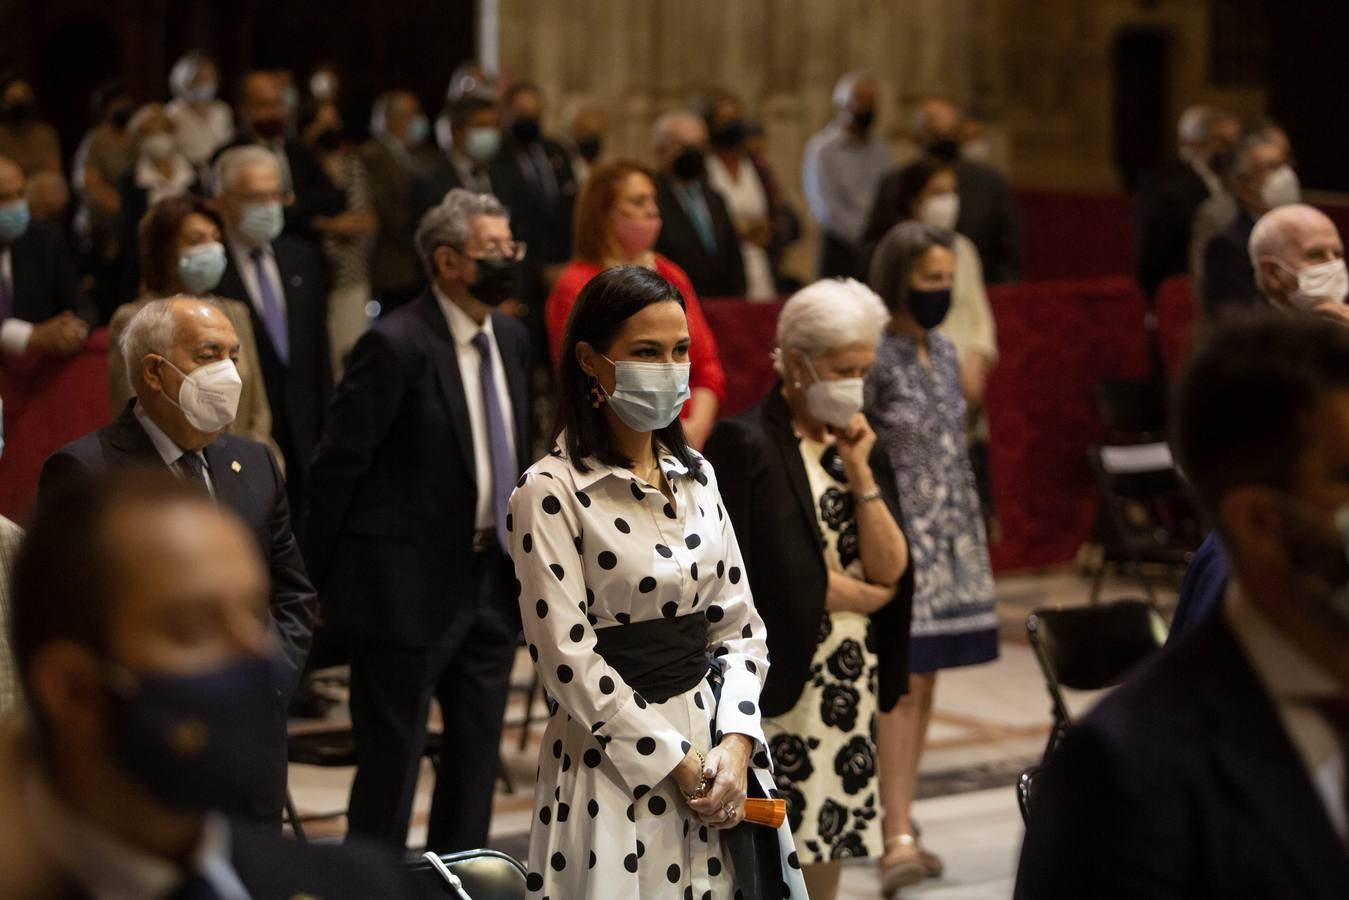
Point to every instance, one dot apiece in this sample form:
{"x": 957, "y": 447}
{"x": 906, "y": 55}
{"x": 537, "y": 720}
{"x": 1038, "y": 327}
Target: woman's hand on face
{"x": 854, "y": 443}
{"x": 727, "y": 774}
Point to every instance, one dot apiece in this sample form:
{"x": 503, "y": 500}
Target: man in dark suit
{"x": 469, "y": 134}
{"x": 281, "y": 280}
{"x": 532, "y": 176}
{"x": 1219, "y": 769}
{"x": 988, "y": 214}
{"x": 1168, "y": 197}
{"x": 696, "y": 228}
{"x": 39, "y": 301}
{"x": 177, "y": 422}
{"x": 425, "y": 438}
{"x": 262, "y": 123}
{"x": 139, "y": 627}
{"x": 394, "y": 157}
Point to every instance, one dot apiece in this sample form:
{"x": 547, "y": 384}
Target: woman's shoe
{"x": 905, "y": 868}
{"x": 933, "y": 865}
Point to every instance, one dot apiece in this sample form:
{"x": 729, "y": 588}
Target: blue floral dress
{"x": 919, "y": 417}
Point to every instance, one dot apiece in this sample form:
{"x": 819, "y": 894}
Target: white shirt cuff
{"x": 14, "y": 335}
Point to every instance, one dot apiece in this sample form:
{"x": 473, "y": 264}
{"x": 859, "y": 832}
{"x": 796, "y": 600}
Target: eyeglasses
{"x": 513, "y": 252}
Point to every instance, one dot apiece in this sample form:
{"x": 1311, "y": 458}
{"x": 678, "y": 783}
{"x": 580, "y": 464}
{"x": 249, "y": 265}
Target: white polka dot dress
{"x": 600, "y": 549}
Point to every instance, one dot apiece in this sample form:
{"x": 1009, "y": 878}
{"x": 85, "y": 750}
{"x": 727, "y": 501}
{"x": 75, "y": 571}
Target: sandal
{"x": 933, "y": 863}
{"x": 907, "y": 870}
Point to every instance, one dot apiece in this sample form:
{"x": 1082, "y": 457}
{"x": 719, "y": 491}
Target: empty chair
{"x": 470, "y": 875}
{"x": 1088, "y": 648}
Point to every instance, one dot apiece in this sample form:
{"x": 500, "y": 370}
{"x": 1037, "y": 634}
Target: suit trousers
{"x": 467, "y": 672}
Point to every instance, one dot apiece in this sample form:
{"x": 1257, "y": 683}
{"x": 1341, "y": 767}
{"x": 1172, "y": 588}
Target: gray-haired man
{"x": 424, "y": 440}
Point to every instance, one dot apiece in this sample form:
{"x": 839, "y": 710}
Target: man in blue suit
{"x": 1218, "y": 770}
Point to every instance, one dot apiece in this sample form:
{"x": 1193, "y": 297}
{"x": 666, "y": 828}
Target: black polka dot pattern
{"x": 647, "y": 585}
{"x": 646, "y": 746}
{"x": 551, "y": 505}
{"x": 607, "y": 559}
{"x": 527, "y": 543}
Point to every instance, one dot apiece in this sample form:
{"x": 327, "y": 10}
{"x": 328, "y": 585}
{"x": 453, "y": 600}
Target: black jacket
{"x": 1164, "y": 209}
{"x": 767, "y": 494}
{"x": 430, "y": 187}
{"x": 392, "y": 490}
{"x": 43, "y": 276}
{"x": 1182, "y": 783}
{"x": 717, "y": 274}
{"x": 1229, "y": 278}
{"x": 246, "y": 480}
{"x": 297, "y": 392}
{"x": 535, "y": 218}
{"x": 988, "y": 217}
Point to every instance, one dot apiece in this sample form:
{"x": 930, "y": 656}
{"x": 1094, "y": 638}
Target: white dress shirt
{"x": 14, "y": 333}
{"x": 746, "y": 200}
{"x": 248, "y": 271}
{"x": 169, "y": 451}
{"x": 462, "y": 331}
{"x": 1296, "y": 685}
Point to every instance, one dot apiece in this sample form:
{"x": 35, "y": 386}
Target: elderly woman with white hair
{"x": 813, "y": 500}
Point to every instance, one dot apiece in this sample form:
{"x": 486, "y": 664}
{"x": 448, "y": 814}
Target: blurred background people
{"x": 617, "y": 224}
{"x": 468, "y": 132}
{"x": 1298, "y": 257}
{"x": 26, "y": 137}
{"x": 11, "y": 535}
{"x": 396, "y": 154}
{"x": 841, "y": 171}
{"x": 834, "y": 581}
{"x": 48, "y": 198}
{"x": 783, "y": 221}
{"x": 161, "y": 172}
{"x": 732, "y": 173}
{"x": 914, "y": 402}
{"x": 104, "y": 156}
{"x": 586, "y": 133}
{"x": 696, "y": 233}
{"x": 180, "y": 242}
{"x": 203, "y": 122}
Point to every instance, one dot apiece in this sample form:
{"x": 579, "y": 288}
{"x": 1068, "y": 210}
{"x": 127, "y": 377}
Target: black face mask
{"x": 200, "y": 742}
{"x": 947, "y": 149}
{"x": 588, "y": 147}
{"x": 18, "y": 113}
{"x": 862, "y": 120}
{"x": 525, "y": 131}
{"x": 929, "y": 308}
{"x": 329, "y": 139}
{"x": 689, "y": 165}
{"x": 728, "y": 135}
{"x": 497, "y": 281}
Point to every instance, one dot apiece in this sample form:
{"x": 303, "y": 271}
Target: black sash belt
{"x": 658, "y": 658}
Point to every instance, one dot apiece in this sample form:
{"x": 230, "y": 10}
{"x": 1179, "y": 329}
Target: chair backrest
{"x": 1131, "y": 406}
{"x": 1087, "y": 648}
{"x": 1025, "y": 792}
{"x": 482, "y": 875}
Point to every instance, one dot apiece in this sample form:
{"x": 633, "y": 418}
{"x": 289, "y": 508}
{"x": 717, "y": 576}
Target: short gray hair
{"x": 232, "y": 161}
{"x": 827, "y": 315}
{"x": 451, "y": 223}
{"x": 660, "y": 132}
{"x": 893, "y": 262}
{"x": 153, "y": 330}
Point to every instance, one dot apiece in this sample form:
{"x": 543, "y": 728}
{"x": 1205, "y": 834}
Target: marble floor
{"x": 989, "y": 723}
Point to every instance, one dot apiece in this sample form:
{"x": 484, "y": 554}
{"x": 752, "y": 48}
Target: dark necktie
{"x": 193, "y": 468}
{"x": 695, "y": 204}
{"x": 194, "y": 887}
{"x": 273, "y": 316}
{"x": 498, "y": 436}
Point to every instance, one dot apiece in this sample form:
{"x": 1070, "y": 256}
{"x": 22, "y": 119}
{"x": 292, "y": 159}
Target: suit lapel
{"x": 445, "y": 359}
{"x": 126, "y": 441}
{"x": 227, "y": 478}
{"x": 778, "y": 424}
{"x": 1257, "y": 758}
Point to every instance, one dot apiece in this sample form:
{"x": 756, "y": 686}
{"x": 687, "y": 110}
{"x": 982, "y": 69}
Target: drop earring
{"x": 596, "y": 394}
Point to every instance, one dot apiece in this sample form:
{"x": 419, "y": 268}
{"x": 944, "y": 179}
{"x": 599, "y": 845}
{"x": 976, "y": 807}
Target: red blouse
{"x": 704, "y": 365}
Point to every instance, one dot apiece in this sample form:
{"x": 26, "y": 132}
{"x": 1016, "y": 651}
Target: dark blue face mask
{"x": 200, "y": 742}
{"x": 929, "y": 308}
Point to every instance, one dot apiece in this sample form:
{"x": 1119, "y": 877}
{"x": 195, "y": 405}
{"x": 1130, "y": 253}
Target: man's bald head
{"x": 936, "y": 119}
{"x": 1286, "y": 240}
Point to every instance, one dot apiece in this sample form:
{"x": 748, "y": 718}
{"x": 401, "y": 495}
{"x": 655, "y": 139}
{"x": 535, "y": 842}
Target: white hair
{"x": 827, "y": 315}
{"x": 184, "y": 70}
{"x": 236, "y": 159}
{"x": 451, "y": 223}
{"x": 660, "y": 132}
{"x": 1193, "y": 123}
{"x": 153, "y": 329}
{"x": 1273, "y": 232}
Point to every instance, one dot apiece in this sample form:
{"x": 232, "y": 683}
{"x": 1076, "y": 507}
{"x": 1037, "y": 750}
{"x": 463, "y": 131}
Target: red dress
{"x": 704, "y": 365}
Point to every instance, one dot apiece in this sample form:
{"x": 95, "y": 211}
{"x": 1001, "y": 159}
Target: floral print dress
{"x": 824, "y": 747}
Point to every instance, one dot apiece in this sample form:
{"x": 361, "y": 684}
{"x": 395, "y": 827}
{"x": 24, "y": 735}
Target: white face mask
{"x": 940, "y": 210}
{"x": 1321, "y": 283}
{"x": 209, "y": 396}
{"x": 1281, "y": 188}
{"x": 835, "y": 401}
{"x": 649, "y": 396}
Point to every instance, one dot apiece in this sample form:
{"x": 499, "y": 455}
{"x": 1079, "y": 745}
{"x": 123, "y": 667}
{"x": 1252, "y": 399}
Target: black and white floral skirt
{"x": 824, "y": 747}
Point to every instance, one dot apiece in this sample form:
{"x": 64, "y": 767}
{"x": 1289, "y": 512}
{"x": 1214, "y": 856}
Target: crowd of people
{"x": 342, "y": 356}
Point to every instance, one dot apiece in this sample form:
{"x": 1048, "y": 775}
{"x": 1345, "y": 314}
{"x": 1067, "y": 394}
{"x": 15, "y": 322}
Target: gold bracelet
{"x": 702, "y": 780}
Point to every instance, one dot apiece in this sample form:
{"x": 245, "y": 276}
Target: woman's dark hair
{"x": 914, "y": 178}
{"x": 158, "y": 238}
{"x": 896, "y": 257}
{"x": 605, "y": 303}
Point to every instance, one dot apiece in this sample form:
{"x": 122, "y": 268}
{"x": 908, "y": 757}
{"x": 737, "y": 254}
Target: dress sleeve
{"x": 738, "y": 640}
{"x": 544, "y": 531}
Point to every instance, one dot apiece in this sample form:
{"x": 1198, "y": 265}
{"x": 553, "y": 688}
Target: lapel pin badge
{"x": 236, "y": 467}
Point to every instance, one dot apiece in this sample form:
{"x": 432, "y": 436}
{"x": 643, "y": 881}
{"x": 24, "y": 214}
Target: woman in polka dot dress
{"x": 638, "y": 615}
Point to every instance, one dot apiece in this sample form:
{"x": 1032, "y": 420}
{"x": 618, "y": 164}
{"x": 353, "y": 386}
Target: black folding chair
{"x": 1025, "y": 789}
{"x": 470, "y": 875}
{"x": 1088, "y": 648}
